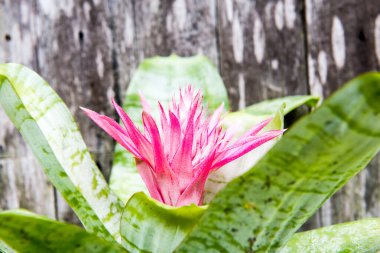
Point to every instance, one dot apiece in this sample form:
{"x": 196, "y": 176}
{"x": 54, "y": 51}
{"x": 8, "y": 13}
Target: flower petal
{"x": 181, "y": 163}
{"x": 149, "y": 179}
{"x": 152, "y": 129}
{"x": 144, "y": 103}
{"x": 140, "y": 141}
{"x": 193, "y": 193}
{"x": 239, "y": 150}
{"x": 255, "y": 130}
{"x": 114, "y": 130}
{"x": 175, "y": 136}
{"x": 215, "y": 119}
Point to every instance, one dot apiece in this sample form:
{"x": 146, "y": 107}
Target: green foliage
{"x": 149, "y": 226}
{"x": 25, "y": 232}
{"x": 256, "y": 212}
{"x": 270, "y": 106}
{"x": 358, "y": 236}
{"x": 261, "y": 210}
{"x": 51, "y": 132}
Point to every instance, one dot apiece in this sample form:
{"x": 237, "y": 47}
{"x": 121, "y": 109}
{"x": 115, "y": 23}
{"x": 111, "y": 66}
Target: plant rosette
{"x": 259, "y": 188}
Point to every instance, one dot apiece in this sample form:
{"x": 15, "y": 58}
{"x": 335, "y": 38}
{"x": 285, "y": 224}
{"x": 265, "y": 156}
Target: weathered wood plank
{"x": 262, "y": 52}
{"x": 148, "y": 28}
{"x": 183, "y": 27}
{"x": 22, "y": 182}
{"x": 124, "y": 49}
{"x": 75, "y": 52}
{"x": 343, "y": 40}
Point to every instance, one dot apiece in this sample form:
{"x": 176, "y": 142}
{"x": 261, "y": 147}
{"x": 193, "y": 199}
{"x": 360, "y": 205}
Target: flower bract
{"x": 175, "y": 154}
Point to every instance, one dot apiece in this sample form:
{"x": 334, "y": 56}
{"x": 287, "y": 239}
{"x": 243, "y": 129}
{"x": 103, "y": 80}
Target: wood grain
{"x": 184, "y": 27}
{"x": 22, "y": 182}
{"x": 261, "y": 49}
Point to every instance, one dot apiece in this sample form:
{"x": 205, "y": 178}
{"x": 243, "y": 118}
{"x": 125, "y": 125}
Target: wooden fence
{"x": 88, "y": 50}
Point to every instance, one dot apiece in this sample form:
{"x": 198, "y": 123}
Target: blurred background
{"x": 88, "y": 50}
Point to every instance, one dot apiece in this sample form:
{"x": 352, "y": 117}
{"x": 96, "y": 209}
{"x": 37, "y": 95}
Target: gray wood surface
{"x": 88, "y": 50}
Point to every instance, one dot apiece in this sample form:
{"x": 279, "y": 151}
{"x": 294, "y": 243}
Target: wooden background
{"x": 88, "y": 49}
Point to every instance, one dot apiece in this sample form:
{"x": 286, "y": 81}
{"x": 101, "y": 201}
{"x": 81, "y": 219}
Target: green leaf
{"x": 358, "y": 236}
{"x": 149, "y": 226}
{"x": 51, "y": 132}
{"x": 261, "y": 210}
{"x": 157, "y": 79}
{"x": 291, "y": 102}
{"x": 22, "y": 231}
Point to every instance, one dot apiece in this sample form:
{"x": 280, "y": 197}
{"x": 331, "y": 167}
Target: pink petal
{"x": 165, "y": 177}
{"x": 242, "y": 150}
{"x": 140, "y": 141}
{"x": 114, "y": 130}
{"x": 175, "y": 135}
{"x": 191, "y": 113}
{"x": 231, "y": 132}
{"x": 215, "y": 118}
{"x": 169, "y": 187}
{"x": 181, "y": 163}
{"x": 255, "y": 130}
{"x": 144, "y": 103}
{"x": 193, "y": 194}
{"x": 149, "y": 179}
{"x": 165, "y": 128}
{"x": 241, "y": 142}
{"x": 132, "y": 130}
{"x": 158, "y": 152}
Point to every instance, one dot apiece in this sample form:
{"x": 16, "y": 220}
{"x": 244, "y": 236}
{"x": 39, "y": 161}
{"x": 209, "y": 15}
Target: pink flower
{"x": 175, "y": 158}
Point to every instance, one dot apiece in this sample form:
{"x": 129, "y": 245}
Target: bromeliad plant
{"x": 253, "y": 206}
